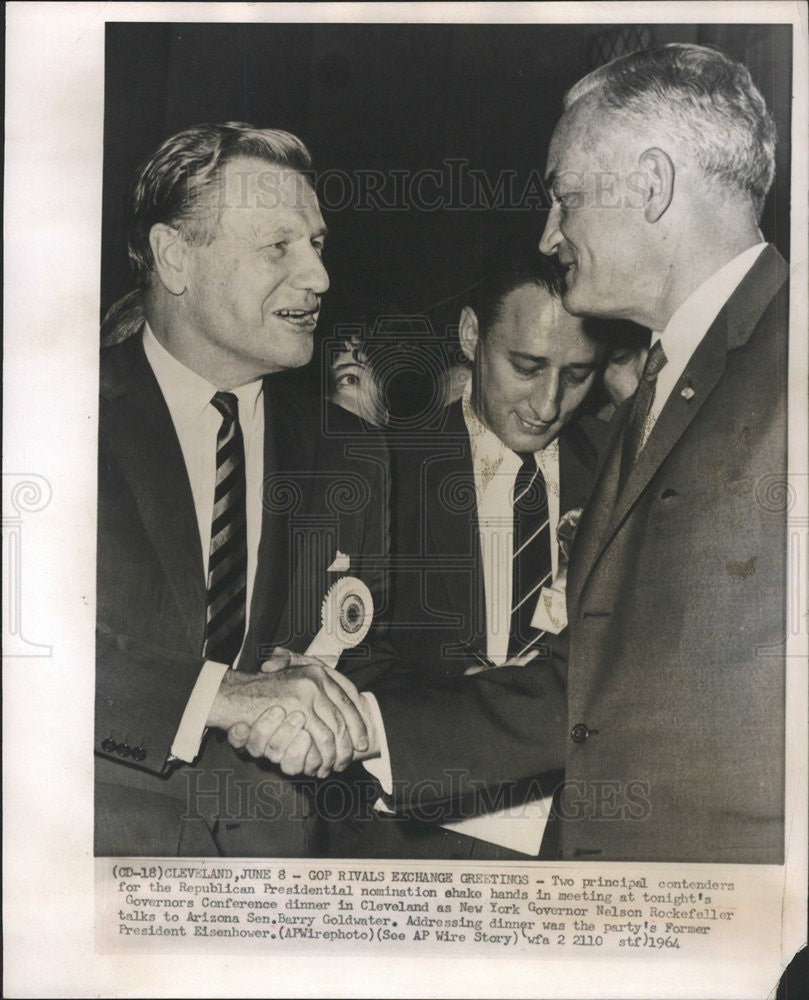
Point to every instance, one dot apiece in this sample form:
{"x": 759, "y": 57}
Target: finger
{"x": 324, "y": 740}
{"x": 476, "y": 669}
{"x": 520, "y": 661}
{"x": 313, "y": 761}
{"x": 263, "y": 728}
{"x": 293, "y": 761}
{"x": 343, "y": 744}
{"x": 237, "y": 734}
{"x": 346, "y": 697}
{"x": 276, "y": 746}
{"x": 279, "y": 660}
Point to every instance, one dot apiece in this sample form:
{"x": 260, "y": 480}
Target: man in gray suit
{"x": 674, "y": 742}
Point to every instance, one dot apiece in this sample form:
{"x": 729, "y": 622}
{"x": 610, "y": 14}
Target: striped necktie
{"x": 227, "y": 563}
{"x": 531, "y": 563}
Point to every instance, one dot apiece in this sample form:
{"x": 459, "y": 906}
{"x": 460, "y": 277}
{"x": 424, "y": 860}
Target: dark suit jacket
{"x": 672, "y": 737}
{"x": 438, "y": 615}
{"x": 325, "y": 488}
{"x": 436, "y": 566}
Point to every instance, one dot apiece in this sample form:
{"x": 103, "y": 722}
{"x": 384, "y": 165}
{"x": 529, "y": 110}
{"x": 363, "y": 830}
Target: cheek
{"x": 573, "y": 397}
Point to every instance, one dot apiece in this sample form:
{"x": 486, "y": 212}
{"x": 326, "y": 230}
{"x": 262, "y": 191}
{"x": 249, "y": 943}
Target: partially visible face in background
{"x": 623, "y": 372}
{"x": 353, "y": 385}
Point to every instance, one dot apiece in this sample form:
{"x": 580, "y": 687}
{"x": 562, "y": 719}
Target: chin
{"x": 573, "y": 303}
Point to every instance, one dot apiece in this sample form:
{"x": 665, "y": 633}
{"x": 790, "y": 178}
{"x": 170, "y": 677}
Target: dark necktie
{"x": 531, "y": 562}
{"x": 227, "y": 564}
{"x": 640, "y": 409}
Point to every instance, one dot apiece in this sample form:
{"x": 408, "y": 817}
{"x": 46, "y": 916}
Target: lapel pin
{"x": 687, "y": 392}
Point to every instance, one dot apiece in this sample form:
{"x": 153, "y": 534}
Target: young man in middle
{"x": 481, "y": 500}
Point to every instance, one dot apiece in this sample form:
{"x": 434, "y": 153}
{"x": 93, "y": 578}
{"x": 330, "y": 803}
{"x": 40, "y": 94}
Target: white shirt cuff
{"x": 379, "y": 766}
{"x": 188, "y": 738}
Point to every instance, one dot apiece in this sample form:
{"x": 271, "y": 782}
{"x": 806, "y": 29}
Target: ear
{"x": 468, "y": 332}
{"x": 658, "y": 171}
{"x": 169, "y": 252}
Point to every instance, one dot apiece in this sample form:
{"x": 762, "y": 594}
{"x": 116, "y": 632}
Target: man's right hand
{"x": 289, "y": 742}
{"x": 293, "y": 694}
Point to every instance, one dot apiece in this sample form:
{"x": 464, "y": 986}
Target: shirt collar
{"x": 187, "y": 393}
{"x": 489, "y": 454}
{"x": 692, "y": 320}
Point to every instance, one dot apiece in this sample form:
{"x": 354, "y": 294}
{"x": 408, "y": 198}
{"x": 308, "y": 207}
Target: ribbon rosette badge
{"x": 346, "y": 616}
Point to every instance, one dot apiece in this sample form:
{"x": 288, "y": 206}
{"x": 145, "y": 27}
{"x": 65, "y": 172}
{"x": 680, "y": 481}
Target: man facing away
{"x": 216, "y": 529}
{"x": 674, "y": 742}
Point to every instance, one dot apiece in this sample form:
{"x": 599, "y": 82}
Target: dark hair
{"x": 505, "y": 269}
{"x": 174, "y": 184}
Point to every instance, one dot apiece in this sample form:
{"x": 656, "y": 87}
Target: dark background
{"x": 393, "y": 97}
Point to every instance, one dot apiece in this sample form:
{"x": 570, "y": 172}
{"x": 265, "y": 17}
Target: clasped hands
{"x": 296, "y": 712}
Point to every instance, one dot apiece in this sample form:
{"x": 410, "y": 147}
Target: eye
{"x": 527, "y": 371}
{"x": 347, "y": 379}
{"x": 577, "y": 377}
{"x": 620, "y": 357}
{"x": 275, "y": 249}
{"x": 320, "y": 245}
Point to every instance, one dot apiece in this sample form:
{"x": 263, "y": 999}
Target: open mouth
{"x": 533, "y": 426}
{"x": 298, "y": 317}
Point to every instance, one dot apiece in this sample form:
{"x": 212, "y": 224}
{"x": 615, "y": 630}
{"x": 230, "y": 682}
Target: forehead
{"x": 574, "y": 137}
{"x": 252, "y": 185}
{"x": 532, "y": 321}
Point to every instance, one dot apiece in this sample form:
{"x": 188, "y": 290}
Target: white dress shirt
{"x": 494, "y": 470}
{"x": 689, "y": 324}
{"x": 197, "y": 422}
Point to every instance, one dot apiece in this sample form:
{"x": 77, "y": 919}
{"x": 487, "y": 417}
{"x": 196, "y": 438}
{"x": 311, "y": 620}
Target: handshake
{"x": 297, "y": 713}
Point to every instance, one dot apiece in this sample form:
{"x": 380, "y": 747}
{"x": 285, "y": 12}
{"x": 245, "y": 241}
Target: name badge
{"x": 551, "y": 611}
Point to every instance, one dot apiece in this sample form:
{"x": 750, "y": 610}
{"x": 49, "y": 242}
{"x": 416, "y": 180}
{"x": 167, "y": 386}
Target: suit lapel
{"x": 731, "y": 329}
{"x": 596, "y": 514}
{"x": 289, "y": 455}
{"x": 140, "y": 431}
{"x": 456, "y": 532}
{"x": 578, "y": 459}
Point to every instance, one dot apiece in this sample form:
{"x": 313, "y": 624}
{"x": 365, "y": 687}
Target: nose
{"x": 544, "y": 400}
{"x": 310, "y": 272}
{"x": 551, "y": 236}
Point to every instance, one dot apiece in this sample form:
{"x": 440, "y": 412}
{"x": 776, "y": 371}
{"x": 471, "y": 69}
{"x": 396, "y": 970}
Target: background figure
{"x": 627, "y": 348}
{"x": 352, "y": 383}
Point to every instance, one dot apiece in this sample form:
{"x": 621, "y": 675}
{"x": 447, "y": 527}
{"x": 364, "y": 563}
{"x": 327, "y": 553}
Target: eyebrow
{"x": 349, "y": 364}
{"x": 290, "y": 231}
{"x": 537, "y": 359}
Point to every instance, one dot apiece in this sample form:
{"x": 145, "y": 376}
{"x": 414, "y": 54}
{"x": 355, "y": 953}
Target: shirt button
{"x": 579, "y": 733}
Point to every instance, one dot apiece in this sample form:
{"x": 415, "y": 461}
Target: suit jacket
{"x": 438, "y": 617}
{"x": 325, "y": 488}
{"x": 672, "y": 735}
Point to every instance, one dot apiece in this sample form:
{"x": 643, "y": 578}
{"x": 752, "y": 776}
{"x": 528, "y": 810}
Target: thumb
{"x": 279, "y": 660}
{"x": 237, "y": 734}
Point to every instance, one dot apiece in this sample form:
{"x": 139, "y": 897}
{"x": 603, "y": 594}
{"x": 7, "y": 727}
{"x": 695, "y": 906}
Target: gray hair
{"x": 173, "y": 185}
{"x": 701, "y": 98}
